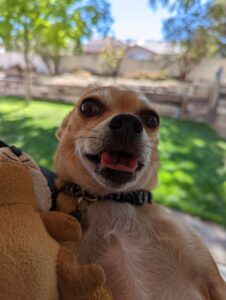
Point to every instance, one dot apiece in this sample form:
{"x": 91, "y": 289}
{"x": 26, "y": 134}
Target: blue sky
{"x": 134, "y": 19}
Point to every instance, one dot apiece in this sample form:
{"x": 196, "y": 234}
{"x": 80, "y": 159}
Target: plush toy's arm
{"x": 61, "y": 227}
{"x": 65, "y": 203}
{"x": 86, "y": 282}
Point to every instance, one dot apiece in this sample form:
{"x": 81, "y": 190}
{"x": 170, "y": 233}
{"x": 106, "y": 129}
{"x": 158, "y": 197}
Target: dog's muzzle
{"x": 119, "y": 156}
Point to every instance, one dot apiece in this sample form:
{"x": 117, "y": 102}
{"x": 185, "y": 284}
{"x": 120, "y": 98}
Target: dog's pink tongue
{"x": 119, "y": 163}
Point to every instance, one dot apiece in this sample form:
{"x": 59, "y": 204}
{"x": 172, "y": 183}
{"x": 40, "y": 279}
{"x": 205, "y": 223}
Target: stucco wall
{"x": 137, "y": 53}
{"x": 206, "y": 70}
{"x": 94, "y": 64}
{"x": 89, "y": 62}
{"x": 10, "y": 59}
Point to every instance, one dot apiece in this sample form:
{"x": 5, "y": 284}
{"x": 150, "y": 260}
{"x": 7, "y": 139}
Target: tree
{"x": 50, "y": 26}
{"x": 112, "y": 55}
{"x": 18, "y": 20}
{"x": 173, "y": 5}
{"x": 198, "y": 27}
{"x": 72, "y": 23}
{"x": 189, "y": 29}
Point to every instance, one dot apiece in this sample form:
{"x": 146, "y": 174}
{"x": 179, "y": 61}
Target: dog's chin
{"x": 117, "y": 171}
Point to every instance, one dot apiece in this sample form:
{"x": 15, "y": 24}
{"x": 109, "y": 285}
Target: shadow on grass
{"x": 192, "y": 174}
{"x": 35, "y": 140}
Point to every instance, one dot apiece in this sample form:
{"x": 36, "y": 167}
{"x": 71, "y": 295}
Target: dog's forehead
{"x": 119, "y": 98}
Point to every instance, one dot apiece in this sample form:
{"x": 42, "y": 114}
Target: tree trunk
{"x": 117, "y": 67}
{"x": 56, "y": 63}
{"x": 47, "y": 60}
{"x": 27, "y": 83}
{"x": 48, "y": 64}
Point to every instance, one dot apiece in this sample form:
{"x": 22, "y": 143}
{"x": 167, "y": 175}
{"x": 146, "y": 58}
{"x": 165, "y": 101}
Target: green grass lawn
{"x": 192, "y": 175}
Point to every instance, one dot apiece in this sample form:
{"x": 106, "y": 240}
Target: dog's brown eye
{"x": 90, "y": 107}
{"x": 150, "y": 118}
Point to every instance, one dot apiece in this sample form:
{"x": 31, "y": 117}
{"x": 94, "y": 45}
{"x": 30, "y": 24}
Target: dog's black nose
{"x": 125, "y": 124}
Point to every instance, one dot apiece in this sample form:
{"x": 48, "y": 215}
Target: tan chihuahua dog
{"x": 107, "y": 162}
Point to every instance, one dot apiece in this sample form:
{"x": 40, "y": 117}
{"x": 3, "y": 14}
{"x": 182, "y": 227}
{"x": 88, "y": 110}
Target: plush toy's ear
{"x": 60, "y": 131}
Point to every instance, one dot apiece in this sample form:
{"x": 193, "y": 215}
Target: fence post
{"x": 214, "y": 96}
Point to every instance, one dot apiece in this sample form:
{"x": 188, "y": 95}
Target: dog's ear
{"x": 61, "y": 129}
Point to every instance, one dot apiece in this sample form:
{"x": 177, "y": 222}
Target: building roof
{"x": 136, "y": 46}
{"x": 97, "y": 46}
{"x": 158, "y": 47}
{"x": 161, "y": 47}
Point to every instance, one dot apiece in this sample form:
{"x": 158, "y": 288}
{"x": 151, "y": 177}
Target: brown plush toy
{"x": 33, "y": 265}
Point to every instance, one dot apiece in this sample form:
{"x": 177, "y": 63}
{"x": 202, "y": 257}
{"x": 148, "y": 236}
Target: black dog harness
{"x": 137, "y": 198}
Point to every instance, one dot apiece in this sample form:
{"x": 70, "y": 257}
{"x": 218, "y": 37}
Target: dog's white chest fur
{"x": 118, "y": 244}
{"x": 128, "y": 250}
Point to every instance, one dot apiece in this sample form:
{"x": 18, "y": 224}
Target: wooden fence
{"x": 176, "y": 104}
